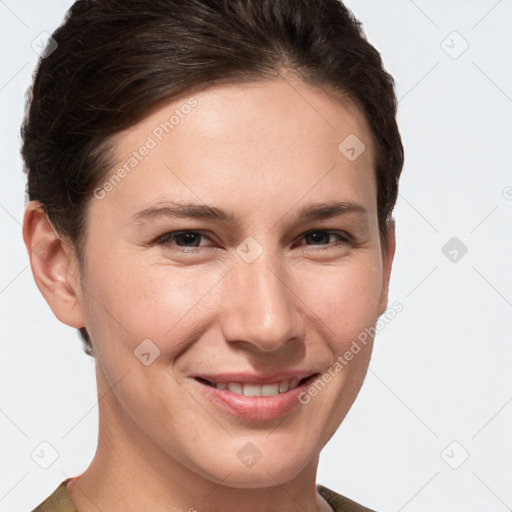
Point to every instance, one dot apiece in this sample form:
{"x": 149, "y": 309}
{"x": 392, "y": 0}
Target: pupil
{"x": 189, "y": 237}
{"x": 317, "y": 237}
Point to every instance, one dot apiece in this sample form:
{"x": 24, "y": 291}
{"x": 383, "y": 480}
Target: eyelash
{"x": 168, "y": 238}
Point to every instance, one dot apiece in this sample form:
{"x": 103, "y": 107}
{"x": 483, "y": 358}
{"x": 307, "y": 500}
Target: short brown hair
{"x": 117, "y": 60}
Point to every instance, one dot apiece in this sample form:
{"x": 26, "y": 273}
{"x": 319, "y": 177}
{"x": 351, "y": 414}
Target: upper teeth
{"x": 256, "y": 390}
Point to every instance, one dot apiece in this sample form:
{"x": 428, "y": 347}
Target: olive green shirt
{"x": 60, "y": 501}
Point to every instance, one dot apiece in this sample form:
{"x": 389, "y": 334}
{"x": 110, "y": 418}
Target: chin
{"x": 270, "y": 470}
{"x": 265, "y": 476}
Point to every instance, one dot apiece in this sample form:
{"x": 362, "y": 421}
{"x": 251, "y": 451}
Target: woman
{"x": 211, "y": 184}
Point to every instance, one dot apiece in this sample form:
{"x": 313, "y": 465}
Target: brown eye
{"x": 319, "y": 236}
{"x": 183, "y": 239}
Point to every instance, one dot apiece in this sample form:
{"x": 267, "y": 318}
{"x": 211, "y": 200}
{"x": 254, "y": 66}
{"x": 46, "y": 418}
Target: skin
{"x": 260, "y": 151}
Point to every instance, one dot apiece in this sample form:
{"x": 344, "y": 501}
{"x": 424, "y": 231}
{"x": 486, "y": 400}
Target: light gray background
{"x": 440, "y": 372}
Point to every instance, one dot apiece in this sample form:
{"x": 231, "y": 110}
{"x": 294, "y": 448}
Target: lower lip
{"x": 255, "y": 408}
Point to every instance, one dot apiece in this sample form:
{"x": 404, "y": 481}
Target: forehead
{"x": 227, "y": 112}
{"x": 246, "y": 141}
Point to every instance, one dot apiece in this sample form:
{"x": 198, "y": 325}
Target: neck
{"x": 131, "y": 472}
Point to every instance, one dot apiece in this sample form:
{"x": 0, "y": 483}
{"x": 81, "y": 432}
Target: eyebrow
{"x": 310, "y": 212}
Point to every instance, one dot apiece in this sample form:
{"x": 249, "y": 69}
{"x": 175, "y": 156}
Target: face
{"x": 237, "y": 255}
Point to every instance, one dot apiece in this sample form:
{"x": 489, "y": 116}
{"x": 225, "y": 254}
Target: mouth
{"x": 268, "y": 389}
{"x": 254, "y": 398}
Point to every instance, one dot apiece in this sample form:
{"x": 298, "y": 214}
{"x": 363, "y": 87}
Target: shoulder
{"x": 58, "y": 501}
{"x": 339, "y": 503}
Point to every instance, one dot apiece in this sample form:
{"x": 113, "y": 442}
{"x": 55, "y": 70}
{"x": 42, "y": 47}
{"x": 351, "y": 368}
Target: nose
{"x": 261, "y": 309}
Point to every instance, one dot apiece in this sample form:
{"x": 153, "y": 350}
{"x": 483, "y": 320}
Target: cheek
{"x": 131, "y": 301}
{"x": 345, "y": 298}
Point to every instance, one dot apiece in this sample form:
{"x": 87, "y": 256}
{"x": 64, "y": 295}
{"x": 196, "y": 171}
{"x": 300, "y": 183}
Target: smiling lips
{"x": 253, "y": 397}
{"x": 257, "y": 390}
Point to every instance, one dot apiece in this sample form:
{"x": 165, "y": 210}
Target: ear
{"x": 388, "y": 254}
{"x": 54, "y": 266}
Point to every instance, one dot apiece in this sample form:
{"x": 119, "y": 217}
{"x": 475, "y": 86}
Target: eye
{"x": 183, "y": 239}
{"x": 318, "y": 236}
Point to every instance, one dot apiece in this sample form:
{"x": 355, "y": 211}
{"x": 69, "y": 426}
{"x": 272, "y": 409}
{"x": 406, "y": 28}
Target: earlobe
{"x": 54, "y": 266}
{"x": 388, "y": 254}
